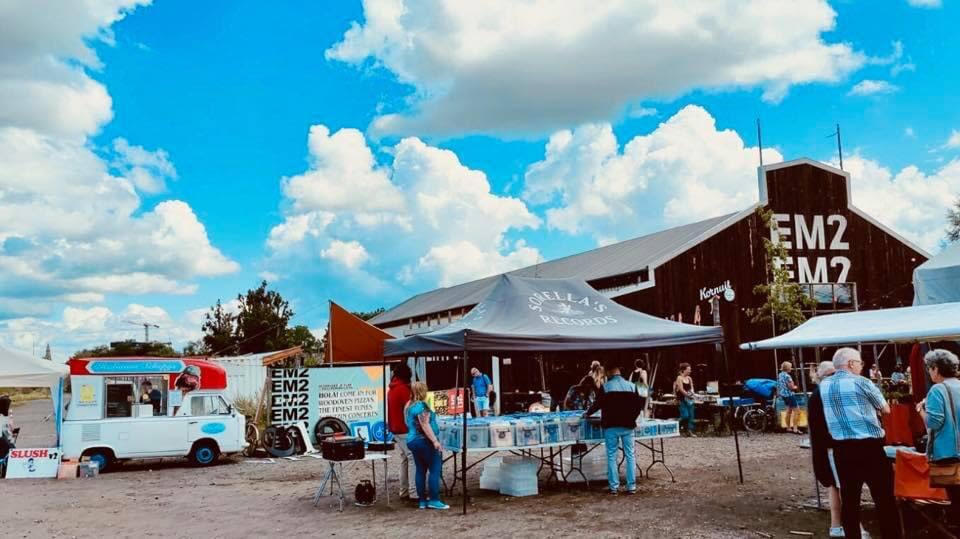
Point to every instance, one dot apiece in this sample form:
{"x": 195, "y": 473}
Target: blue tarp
{"x": 529, "y": 314}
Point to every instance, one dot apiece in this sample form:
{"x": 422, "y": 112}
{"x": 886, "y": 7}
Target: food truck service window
{"x": 119, "y": 400}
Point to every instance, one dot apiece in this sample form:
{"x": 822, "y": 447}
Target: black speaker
{"x": 366, "y": 493}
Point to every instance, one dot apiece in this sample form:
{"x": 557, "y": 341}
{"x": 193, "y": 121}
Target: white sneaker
{"x": 837, "y": 532}
{"x": 864, "y": 533}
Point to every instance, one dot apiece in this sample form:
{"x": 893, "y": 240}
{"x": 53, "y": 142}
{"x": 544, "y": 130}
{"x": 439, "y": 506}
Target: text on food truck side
{"x": 796, "y": 234}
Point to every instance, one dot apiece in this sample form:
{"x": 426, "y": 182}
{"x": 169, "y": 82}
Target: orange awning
{"x": 352, "y": 339}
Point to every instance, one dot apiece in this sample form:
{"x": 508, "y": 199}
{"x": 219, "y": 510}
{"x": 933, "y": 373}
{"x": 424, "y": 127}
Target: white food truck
{"x": 140, "y": 407}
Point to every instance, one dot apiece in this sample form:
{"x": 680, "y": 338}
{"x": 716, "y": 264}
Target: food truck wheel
{"x": 204, "y": 453}
{"x": 103, "y": 457}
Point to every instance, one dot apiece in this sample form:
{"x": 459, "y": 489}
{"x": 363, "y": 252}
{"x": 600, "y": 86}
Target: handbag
{"x": 946, "y": 473}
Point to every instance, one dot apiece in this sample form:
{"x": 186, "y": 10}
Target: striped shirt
{"x": 850, "y": 404}
{"x": 783, "y": 384}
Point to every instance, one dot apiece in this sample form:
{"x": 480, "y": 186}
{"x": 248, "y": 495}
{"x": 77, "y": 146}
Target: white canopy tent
{"x": 20, "y": 370}
{"x": 920, "y": 323}
{"x": 938, "y": 280}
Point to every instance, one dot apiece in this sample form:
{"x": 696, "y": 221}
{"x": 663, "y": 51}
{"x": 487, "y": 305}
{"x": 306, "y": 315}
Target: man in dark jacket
{"x": 619, "y": 405}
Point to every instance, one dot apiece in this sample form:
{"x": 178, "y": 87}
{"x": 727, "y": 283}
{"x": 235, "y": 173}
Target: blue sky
{"x": 159, "y": 157}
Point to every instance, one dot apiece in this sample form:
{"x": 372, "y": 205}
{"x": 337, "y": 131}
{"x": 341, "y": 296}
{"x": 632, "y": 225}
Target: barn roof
{"x": 614, "y": 259}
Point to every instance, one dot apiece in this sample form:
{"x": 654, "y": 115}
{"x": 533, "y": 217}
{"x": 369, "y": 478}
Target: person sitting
{"x": 6, "y": 422}
{"x": 897, "y": 377}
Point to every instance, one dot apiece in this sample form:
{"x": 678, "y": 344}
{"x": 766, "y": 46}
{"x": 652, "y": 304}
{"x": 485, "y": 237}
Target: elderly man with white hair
{"x": 851, "y": 404}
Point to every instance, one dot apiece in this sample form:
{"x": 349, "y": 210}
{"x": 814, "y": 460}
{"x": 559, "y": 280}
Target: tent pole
{"x": 736, "y": 437}
{"x": 463, "y": 448}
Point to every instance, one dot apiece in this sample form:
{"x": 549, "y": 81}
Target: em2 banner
{"x": 307, "y": 395}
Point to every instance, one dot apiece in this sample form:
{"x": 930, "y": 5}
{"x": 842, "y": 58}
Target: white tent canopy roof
{"x": 20, "y": 370}
{"x": 903, "y": 325}
{"x": 938, "y": 280}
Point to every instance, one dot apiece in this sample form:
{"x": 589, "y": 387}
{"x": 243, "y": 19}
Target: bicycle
{"x": 760, "y": 418}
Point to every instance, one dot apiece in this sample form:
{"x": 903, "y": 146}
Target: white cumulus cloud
{"x": 927, "y": 4}
{"x": 408, "y": 217}
{"x": 910, "y": 201}
{"x": 349, "y": 253}
{"x": 684, "y": 170}
{"x": 507, "y": 66}
{"x": 72, "y": 224}
{"x": 873, "y": 87}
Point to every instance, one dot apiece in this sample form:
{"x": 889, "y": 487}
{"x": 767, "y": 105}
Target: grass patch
{"x": 24, "y": 394}
{"x": 248, "y": 407}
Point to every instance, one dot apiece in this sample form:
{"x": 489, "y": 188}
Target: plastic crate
{"x": 647, "y": 429}
{"x": 502, "y": 434}
{"x": 592, "y": 429}
{"x": 527, "y": 432}
{"x": 668, "y": 428}
{"x": 551, "y": 430}
{"x": 572, "y": 429}
{"x": 478, "y": 435}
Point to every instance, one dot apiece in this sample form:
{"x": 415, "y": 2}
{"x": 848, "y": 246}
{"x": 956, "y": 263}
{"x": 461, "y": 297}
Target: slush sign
{"x": 799, "y": 233}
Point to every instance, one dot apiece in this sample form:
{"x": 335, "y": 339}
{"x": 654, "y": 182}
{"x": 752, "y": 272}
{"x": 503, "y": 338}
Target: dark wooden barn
{"x": 705, "y": 272}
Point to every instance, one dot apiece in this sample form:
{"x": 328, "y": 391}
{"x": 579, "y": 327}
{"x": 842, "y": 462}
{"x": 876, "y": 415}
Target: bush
{"x": 24, "y": 394}
{"x": 248, "y": 407}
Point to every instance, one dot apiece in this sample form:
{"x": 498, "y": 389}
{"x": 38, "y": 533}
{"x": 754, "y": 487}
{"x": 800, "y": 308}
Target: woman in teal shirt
{"x": 422, "y": 441}
{"x": 941, "y": 410}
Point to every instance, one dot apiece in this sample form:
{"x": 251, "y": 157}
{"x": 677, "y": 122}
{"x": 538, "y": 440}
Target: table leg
{"x": 386, "y": 479}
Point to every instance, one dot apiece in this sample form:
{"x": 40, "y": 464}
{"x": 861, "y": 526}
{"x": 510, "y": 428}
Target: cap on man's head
{"x": 843, "y": 357}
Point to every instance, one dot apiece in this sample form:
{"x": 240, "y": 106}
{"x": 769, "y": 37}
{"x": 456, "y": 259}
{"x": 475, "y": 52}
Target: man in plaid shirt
{"x": 850, "y": 404}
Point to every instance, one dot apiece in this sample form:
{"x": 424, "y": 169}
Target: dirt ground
{"x": 248, "y": 498}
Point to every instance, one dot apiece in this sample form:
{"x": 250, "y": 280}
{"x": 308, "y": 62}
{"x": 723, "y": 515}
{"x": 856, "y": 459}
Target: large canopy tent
{"x": 938, "y": 280}
{"x": 20, "y": 370}
{"x": 540, "y": 315}
{"x": 919, "y": 323}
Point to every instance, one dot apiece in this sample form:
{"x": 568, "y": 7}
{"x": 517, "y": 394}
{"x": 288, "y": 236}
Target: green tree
{"x": 953, "y": 222}
{"x": 129, "y": 348}
{"x": 302, "y": 336}
{"x": 784, "y": 300}
{"x": 194, "y": 348}
{"x": 367, "y": 315}
{"x": 219, "y": 331}
{"x": 261, "y": 323}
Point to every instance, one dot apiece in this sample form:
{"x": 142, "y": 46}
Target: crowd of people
{"x": 847, "y": 439}
{"x": 845, "y": 412}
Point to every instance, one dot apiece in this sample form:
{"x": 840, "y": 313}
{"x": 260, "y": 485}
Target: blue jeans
{"x": 686, "y": 414}
{"x": 426, "y": 458}
{"x": 612, "y": 437}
